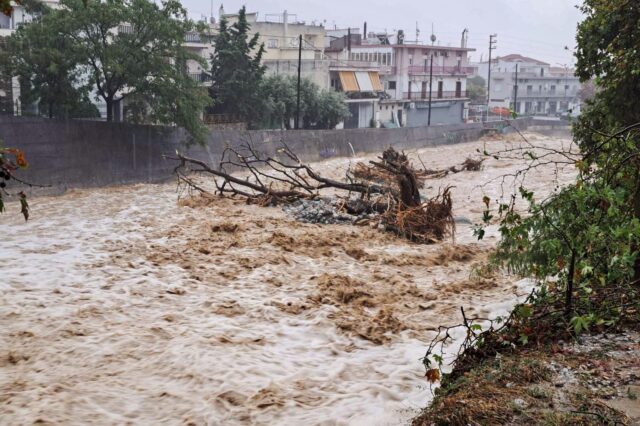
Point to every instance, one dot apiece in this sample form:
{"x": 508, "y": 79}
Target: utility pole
{"x": 492, "y": 46}
{"x": 299, "y": 69}
{"x": 430, "y": 89}
{"x": 515, "y": 97}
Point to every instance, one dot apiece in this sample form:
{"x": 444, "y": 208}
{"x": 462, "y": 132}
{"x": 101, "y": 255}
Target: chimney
{"x": 349, "y": 39}
{"x": 365, "y": 30}
{"x": 285, "y": 21}
{"x": 465, "y": 37}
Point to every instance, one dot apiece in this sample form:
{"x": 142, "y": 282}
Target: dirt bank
{"x": 594, "y": 381}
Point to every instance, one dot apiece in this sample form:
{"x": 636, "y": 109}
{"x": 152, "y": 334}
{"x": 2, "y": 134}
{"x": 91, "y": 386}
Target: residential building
{"x": 280, "y": 34}
{"x": 405, "y": 70}
{"x": 541, "y": 88}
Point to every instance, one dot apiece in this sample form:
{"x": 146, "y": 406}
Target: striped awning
{"x": 348, "y": 81}
{"x": 360, "y": 81}
{"x": 364, "y": 81}
{"x": 375, "y": 81}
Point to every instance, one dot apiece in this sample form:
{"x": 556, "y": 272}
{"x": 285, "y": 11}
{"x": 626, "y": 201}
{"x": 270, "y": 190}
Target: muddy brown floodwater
{"x": 123, "y": 306}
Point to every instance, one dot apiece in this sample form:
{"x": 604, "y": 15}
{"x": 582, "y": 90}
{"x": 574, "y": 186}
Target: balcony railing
{"x": 125, "y": 29}
{"x": 440, "y": 70}
{"x": 452, "y": 94}
{"x": 349, "y": 64}
{"x": 199, "y": 77}
{"x": 193, "y": 38}
{"x": 548, "y": 94}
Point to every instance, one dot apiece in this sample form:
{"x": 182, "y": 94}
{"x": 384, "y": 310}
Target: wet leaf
{"x": 433, "y": 375}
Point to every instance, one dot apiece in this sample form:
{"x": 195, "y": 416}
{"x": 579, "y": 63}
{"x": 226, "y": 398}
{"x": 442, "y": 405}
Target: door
{"x": 440, "y": 89}
{"x": 424, "y": 90}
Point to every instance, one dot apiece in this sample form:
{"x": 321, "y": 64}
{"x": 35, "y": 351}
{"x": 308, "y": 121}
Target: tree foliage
{"x": 582, "y": 244}
{"x": 242, "y": 88}
{"x": 47, "y": 71}
{"x": 320, "y": 109}
{"x": 477, "y": 88}
{"x": 119, "y": 48}
{"x": 236, "y": 69}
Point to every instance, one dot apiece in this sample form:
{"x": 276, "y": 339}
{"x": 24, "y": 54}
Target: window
{"x": 553, "y": 90}
{"x": 529, "y": 90}
{"x": 272, "y": 43}
{"x": 527, "y": 107}
{"x": 566, "y": 87}
{"x": 410, "y": 59}
{"x": 541, "y": 72}
{"x": 440, "y": 89}
{"x": 392, "y": 85}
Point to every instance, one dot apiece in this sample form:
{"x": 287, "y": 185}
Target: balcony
{"x": 450, "y": 94}
{"x": 193, "y": 38}
{"x": 125, "y": 29}
{"x": 439, "y": 70}
{"x": 548, "y": 94}
{"x": 340, "y": 65}
{"x": 200, "y": 77}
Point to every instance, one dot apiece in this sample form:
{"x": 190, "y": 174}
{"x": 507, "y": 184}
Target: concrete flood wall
{"x": 75, "y": 154}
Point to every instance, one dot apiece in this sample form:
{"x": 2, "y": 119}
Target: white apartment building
{"x": 541, "y": 88}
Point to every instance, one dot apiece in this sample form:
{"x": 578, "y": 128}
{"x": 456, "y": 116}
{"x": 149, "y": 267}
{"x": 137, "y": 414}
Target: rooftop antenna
{"x": 433, "y": 35}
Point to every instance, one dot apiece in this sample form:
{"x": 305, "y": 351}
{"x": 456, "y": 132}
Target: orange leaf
{"x": 433, "y": 375}
{"x": 20, "y": 160}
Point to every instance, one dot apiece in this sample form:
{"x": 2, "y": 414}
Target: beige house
{"x": 280, "y": 34}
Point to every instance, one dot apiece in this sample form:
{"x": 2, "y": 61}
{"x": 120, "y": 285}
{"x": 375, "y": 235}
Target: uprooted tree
{"x": 388, "y": 189}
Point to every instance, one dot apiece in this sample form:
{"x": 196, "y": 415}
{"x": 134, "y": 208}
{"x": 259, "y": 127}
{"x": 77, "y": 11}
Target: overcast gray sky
{"x": 537, "y": 28}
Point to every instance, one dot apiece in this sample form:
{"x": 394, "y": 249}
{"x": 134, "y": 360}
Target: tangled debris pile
{"x": 383, "y": 194}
